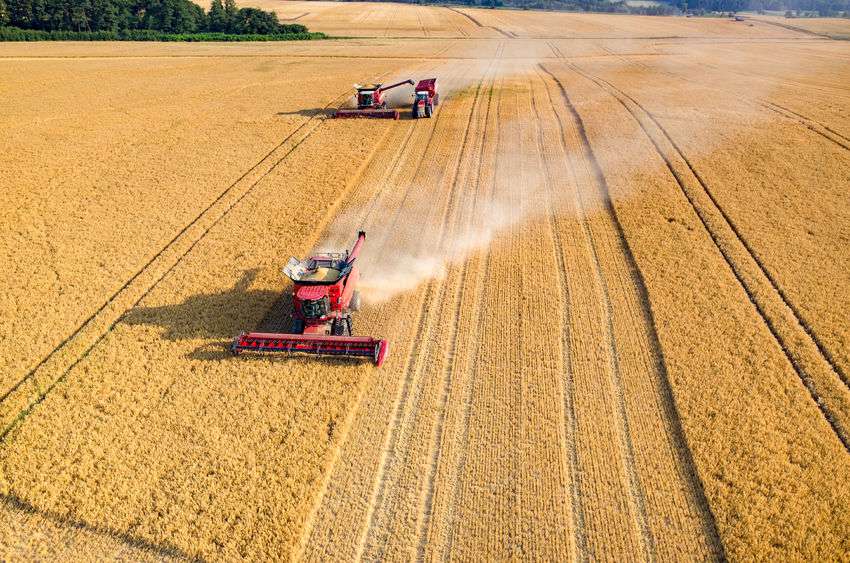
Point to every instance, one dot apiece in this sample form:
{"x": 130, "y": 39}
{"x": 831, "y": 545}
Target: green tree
{"x": 231, "y": 15}
{"x": 217, "y": 20}
{"x": 4, "y": 14}
{"x": 252, "y": 20}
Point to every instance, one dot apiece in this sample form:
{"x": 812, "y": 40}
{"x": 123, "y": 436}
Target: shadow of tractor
{"x": 311, "y": 112}
{"x": 221, "y": 316}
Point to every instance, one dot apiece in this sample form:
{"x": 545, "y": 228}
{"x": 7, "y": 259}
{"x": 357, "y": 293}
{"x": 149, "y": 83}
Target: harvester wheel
{"x": 341, "y": 327}
{"x": 297, "y": 326}
{"x": 355, "y": 300}
{"x": 428, "y": 111}
{"x": 415, "y": 110}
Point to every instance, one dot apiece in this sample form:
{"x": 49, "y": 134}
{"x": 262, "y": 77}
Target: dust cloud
{"x": 410, "y": 241}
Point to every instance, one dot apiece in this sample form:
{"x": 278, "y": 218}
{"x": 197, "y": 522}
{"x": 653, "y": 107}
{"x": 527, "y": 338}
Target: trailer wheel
{"x": 355, "y": 299}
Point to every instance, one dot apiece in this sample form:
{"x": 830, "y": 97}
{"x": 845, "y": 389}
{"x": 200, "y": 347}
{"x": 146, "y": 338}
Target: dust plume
{"x": 411, "y": 240}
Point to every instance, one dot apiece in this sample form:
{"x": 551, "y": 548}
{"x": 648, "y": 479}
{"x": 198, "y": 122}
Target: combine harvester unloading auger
{"x": 324, "y": 295}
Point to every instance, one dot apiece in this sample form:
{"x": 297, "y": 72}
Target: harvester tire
{"x": 341, "y": 327}
{"x": 355, "y": 300}
{"x": 428, "y": 111}
{"x": 297, "y": 326}
{"x": 415, "y": 111}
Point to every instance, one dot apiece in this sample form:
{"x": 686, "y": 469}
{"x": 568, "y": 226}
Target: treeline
{"x": 124, "y": 16}
{"x": 826, "y": 8}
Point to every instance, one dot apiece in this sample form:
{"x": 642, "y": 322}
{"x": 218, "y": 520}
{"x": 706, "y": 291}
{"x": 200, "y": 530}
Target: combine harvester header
{"x": 324, "y": 295}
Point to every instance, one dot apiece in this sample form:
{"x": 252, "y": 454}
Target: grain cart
{"x": 371, "y": 102}
{"x": 425, "y": 98}
{"x": 324, "y": 295}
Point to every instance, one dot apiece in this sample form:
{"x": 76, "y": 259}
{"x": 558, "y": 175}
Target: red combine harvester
{"x": 425, "y": 98}
{"x": 371, "y": 103}
{"x": 324, "y": 295}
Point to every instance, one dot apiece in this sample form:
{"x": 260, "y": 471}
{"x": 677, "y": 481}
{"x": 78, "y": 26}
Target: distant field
{"x": 837, "y": 28}
{"x": 612, "y": 268}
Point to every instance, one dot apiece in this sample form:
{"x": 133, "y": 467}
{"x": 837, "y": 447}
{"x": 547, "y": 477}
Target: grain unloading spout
{"x": 355, "y": 251}
{"x": 383, "y": 88}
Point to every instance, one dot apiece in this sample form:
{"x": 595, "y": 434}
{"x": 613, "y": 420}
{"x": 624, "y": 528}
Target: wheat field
{"x": 613, "y": 268}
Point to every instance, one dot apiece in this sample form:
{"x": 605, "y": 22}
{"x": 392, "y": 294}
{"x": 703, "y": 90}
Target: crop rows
{"x": 601, "y": 346}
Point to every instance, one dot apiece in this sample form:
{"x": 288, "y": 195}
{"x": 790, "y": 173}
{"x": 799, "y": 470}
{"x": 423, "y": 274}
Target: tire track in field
{"x": 413, "y": 369}
{"x": 466, "y": 401}
{"x": 135, "y": 289}
{"x": 401, "y": 397}
{"x": 819, "y": 128}
{"x": 379, "y": 196}
{"x": 421, "y": 25}
{"x": 624, "y": 433}
{"x": 823, "y": 130}
{"x": 827, "y": 356}
{"x": 776, "y": 311}
{"x": 478, "y": 23}
{"x": 571, "y": 463}
{"x": 377, "y": 202}
{"x": 682, "y": 451}
{"x": 436, "y": 445}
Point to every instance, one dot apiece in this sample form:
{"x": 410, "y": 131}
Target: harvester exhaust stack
{"x": 324, "y": 295}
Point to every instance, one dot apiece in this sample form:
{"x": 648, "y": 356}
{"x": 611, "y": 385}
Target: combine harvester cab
{"x": 324, "y": 295}
{"x": 371, "y": 102}
{"x": 425, "y": 98}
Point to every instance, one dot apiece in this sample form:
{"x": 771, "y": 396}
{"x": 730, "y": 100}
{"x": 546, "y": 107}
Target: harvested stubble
{"x": 602, "y": 346}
